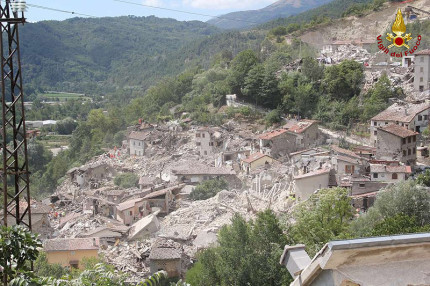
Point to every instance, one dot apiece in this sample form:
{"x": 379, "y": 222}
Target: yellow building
{"x": 256, "y": 160}
{"x": 69, "y": 252}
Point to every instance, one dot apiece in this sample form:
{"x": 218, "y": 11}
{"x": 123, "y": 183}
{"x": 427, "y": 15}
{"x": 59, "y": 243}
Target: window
{"x": 130, "y": 213}
{"x": 414, "y": 151}
{"x": 394, "y": 176}
{"x": 421, "y": 88}
{"x": 409, "y": 152}
{"x": 375, "y": 123}
{"x": 198, "y": 135}
{"x": 420, "y": 118}
{"x": 375, "y": 132}
{"x": 409, "y": 139}
{"x": 375, "y": 175}
{"x": 361, "y": 185}
{"x": 134, "y": 143}
{"x": 386, "y": 123}
{"x": 138, "y": 144}
{"x": 421, "y": 79}
{"x": 404, "y": 140}
{"x": 414, "y": 138}
{"x": 211, "y": 143}
{"x": 421, "y": 69}
{"x": 426, "y": 117}
{"x": 404, "y": 152}
{"x": 203, "y": 135}
{"x": 422, "y": 59}
{"x": 349, "y": 169}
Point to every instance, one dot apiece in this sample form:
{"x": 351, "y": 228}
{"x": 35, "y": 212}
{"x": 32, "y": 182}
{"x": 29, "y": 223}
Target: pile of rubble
{"x": 196, "y": 225}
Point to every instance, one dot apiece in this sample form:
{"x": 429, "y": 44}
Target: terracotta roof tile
{"x": 300, "y": 126}
{"x": 337, "y": 150}
{"x": 254, "y": 157}
{"x": 128, "y": 204}
{"x": 377, "y": 168}
{"x": 271, "y": 134}
{"x": 398, "y": 130}
{"x": 138, "y": 135}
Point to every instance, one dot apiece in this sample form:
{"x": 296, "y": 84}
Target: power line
{"x": 185, "y": 12}
{"x": 58, "y": 10}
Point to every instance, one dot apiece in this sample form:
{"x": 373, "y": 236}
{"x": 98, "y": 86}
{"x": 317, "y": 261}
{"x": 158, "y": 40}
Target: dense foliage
{"x": 126, "y": 180}
{"x": 248, "y": 252}
{"x": 208, "y": 189}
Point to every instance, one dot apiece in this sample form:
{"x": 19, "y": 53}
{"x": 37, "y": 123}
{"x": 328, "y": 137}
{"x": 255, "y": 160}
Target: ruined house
{"x": 132, "y": 210}
{"x": 115, "y": 196}
{"x": 69, "y": 252}
{"x": 422, "y": 71}
{"x": 347, "y": 162}
{"x": 166, "y": 255}
{"x": 107, "y": 235}
{"x": 277, "y": 142}
{"x": 148, "y": 182}
{"x": 196, "y": 173}
{"x": 96, "y": 205}
{"x": 254, "y": 161}
{"x": 396, "y": 143}
{"x": 386, "y": 260}
{"x": 136, "y": 142}
{"x": 306, "y": 132}
{"x": 91, "y": 174}
{"x": 412, "y": 116}
{"x": 144, "y": 227}
{"x": 307, "y": 184}
{"x": 161, "y": 199}
{"x": 209, "y": 141}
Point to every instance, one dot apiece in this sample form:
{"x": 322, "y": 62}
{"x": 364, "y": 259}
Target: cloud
{"x": 225, "y": 4}
{"x": 156, "y": 3}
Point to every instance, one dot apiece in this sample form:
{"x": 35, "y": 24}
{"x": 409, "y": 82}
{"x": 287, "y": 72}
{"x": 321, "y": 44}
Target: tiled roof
{"x": 348, "y": 159}
{"x": 423, "y": 52}
{"x": 271, "y": 134}
{"x": 157, "y": 194}
{"x": 300, "y": 126}
{"x": 254, "y": 157}
{"x": 336, "y": 149}
{"x": 312, "y": 174}
{"x": 136, "y": 135}
{"x": 69, "y": 244}
{"x": 128, "y": 204}
{"x": 404, "y": 112}
{"x": 398, "y": 130}
{"x": 390, "y": 169}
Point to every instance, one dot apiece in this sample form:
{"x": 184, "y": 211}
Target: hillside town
{"x": 156, "y": 225}
{"x": 169, "y": 191}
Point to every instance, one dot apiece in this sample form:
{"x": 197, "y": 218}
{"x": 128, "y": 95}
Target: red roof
{"x": 301, "y": 126}
{"x": 255, "y": 157}
{"x": 272, "y": 134}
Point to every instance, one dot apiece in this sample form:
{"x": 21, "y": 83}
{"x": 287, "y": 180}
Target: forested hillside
{"x": 79, "y": 53}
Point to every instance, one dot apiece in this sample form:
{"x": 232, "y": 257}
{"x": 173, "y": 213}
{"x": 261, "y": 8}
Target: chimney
{"x": 295, "y": 259}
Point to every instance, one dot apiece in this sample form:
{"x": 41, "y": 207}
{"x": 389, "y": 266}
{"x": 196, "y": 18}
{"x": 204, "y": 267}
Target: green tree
{"x": 18, "y": 247}
{"x": 66, "y": 126}
{"x": 405, "y": 204}
{"x": 238, "y": 260}
{"x": 42, "y": 268}
{"x": 126, "y": 180}
{"x": 312, "y": 69}
{"x": 323, "y": 217}
{"x": 240, "y": 67}
{"x": 208, "y": 189}
{"x": 273, "y": 117}
{"x": 424, "y": 179}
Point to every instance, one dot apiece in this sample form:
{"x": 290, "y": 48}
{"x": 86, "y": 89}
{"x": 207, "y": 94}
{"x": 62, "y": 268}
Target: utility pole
{"x": 14, "y": 169}
{"x": 13, "y": 143}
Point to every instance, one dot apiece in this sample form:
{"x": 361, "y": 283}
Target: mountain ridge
{"x": 279, "y": 9}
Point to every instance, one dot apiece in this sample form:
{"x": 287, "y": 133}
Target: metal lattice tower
{"x": 14, "y": 169}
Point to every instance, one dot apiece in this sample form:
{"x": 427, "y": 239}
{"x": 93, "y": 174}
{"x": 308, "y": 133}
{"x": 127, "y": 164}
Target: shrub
{"x": 208, "y": 189}
{"x": 126, "y": 180}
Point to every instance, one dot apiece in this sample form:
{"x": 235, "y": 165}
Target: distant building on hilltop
{"x": 422, "y": 70}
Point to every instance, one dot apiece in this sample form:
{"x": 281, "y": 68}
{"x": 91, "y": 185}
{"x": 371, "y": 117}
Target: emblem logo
{"x": 399, "y": 28}
{"x": 399, "y": 39}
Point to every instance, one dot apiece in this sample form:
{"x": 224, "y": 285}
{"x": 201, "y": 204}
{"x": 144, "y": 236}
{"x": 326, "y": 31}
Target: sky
{"x": 102, "y": 8}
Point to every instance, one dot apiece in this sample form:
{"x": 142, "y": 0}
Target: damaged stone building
{"x": 208, "y": 140}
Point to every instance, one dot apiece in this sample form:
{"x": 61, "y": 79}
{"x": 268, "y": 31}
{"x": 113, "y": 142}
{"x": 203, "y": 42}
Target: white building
{"x": 136, "y": 143}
